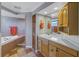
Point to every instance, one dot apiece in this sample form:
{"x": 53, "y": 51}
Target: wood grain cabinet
{"x": 62, "y": 53}
{"x": 78, "y": 54}
{"x": 60, "y": 19}
{"x": 73, "y": 18}
{"x": 44, "y": 47}
{"x": 59, "y": 50}
{"x": 52, "y": 51}
{"x": 7, "y": 48}
{"x": 39, "y": 45}
{"x": 34, "y": 32}
{"x": 65, "y": 16}
{"x": 68, "y": 18}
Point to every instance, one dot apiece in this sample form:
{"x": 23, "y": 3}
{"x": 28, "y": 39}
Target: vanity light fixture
{"x": 55, "y": 8}
{"x": 45, "y": 12}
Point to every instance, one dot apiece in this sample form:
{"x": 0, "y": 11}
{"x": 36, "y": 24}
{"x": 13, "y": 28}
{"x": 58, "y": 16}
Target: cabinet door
{"x": 33, "y": 31}
{"x": 62, "y": 53}
{"x": 44, "y": 47}
{"x": 60, "y": 19}
{"x": 33, "y": 42}
{"x": 52, "y": 51}
{"x": 39, "y": 45}
{"x": 78, "y": 54}
{"x": 65, "y": 16}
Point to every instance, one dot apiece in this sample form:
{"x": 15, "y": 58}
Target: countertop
{"x": 7, "y": 39}
{"x": 70, "y": 41}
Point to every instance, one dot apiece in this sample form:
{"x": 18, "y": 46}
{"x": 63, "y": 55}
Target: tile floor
{"x": 24, "y": 52}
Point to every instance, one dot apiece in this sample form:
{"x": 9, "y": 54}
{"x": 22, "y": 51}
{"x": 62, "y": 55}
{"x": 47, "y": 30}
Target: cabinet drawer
{"x": 64, "y": 48}
{"x": 45, "y": 41}
{"x": 69, "y": 50}
{"x": 52, "y": 51}
{"x": 63, "y": 54}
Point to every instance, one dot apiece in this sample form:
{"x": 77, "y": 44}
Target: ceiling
{"x": 9, "y": 14}
{"x": 22, "y": 7}
{"x": 53, "y": 9}
{"x": 19, "y": 7}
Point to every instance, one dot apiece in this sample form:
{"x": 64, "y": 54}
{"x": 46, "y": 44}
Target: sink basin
{"x": 53, "y": 38}
{"x": 46, "y": 35}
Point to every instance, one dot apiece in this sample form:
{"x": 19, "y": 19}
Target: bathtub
{"x": 9, "y": 43}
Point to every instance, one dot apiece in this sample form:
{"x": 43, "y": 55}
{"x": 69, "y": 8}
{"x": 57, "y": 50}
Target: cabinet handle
{"x": 56, "y": 50}
{"x": 51, "y": 49}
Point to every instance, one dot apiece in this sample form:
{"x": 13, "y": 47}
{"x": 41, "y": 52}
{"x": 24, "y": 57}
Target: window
{"x": 54, "y": 22}
{"x": 54, "y": 25}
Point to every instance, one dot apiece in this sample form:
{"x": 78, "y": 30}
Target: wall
{"x": 45, "y": 19}
{"x": 0, "y": 27}
{"x": 0, "y": 17}
{"x": 44, "y": 30}
{"x": 73, "y": 18}
{"x": 6, "y": 22}
{"x": 78, "y": 18}
{"x": 28, "y": 27}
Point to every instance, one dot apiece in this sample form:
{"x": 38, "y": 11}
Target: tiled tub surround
{"x": 63, "y": 39}
{"x": 10, "y": 42}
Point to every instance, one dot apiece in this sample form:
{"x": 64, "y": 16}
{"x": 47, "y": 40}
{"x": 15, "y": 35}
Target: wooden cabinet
{"x": 64, "y": 50}
{"x": 78, "y": 18}
{"x": 65, "y": 16}
{"x": 73, "y": 18}
{"x": 60, "y": 18}
{"x": 62, "y": 53}
{"x": 68, "y": 50}
{"x": 69, "y": 16}
{"x": 44, "y": 47}
{"x": 33, "y": 31}
{"x": 52, "y": 51}
{"x": 7, "y": 48}
{"x": 39, "y": 45}
{"x": 78, "y": 54}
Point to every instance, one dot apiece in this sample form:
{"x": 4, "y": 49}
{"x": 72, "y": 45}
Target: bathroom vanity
{"x": 10, "y": 44}
{"x": 68, "y": 19}
{"x": 56, "y": 47}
